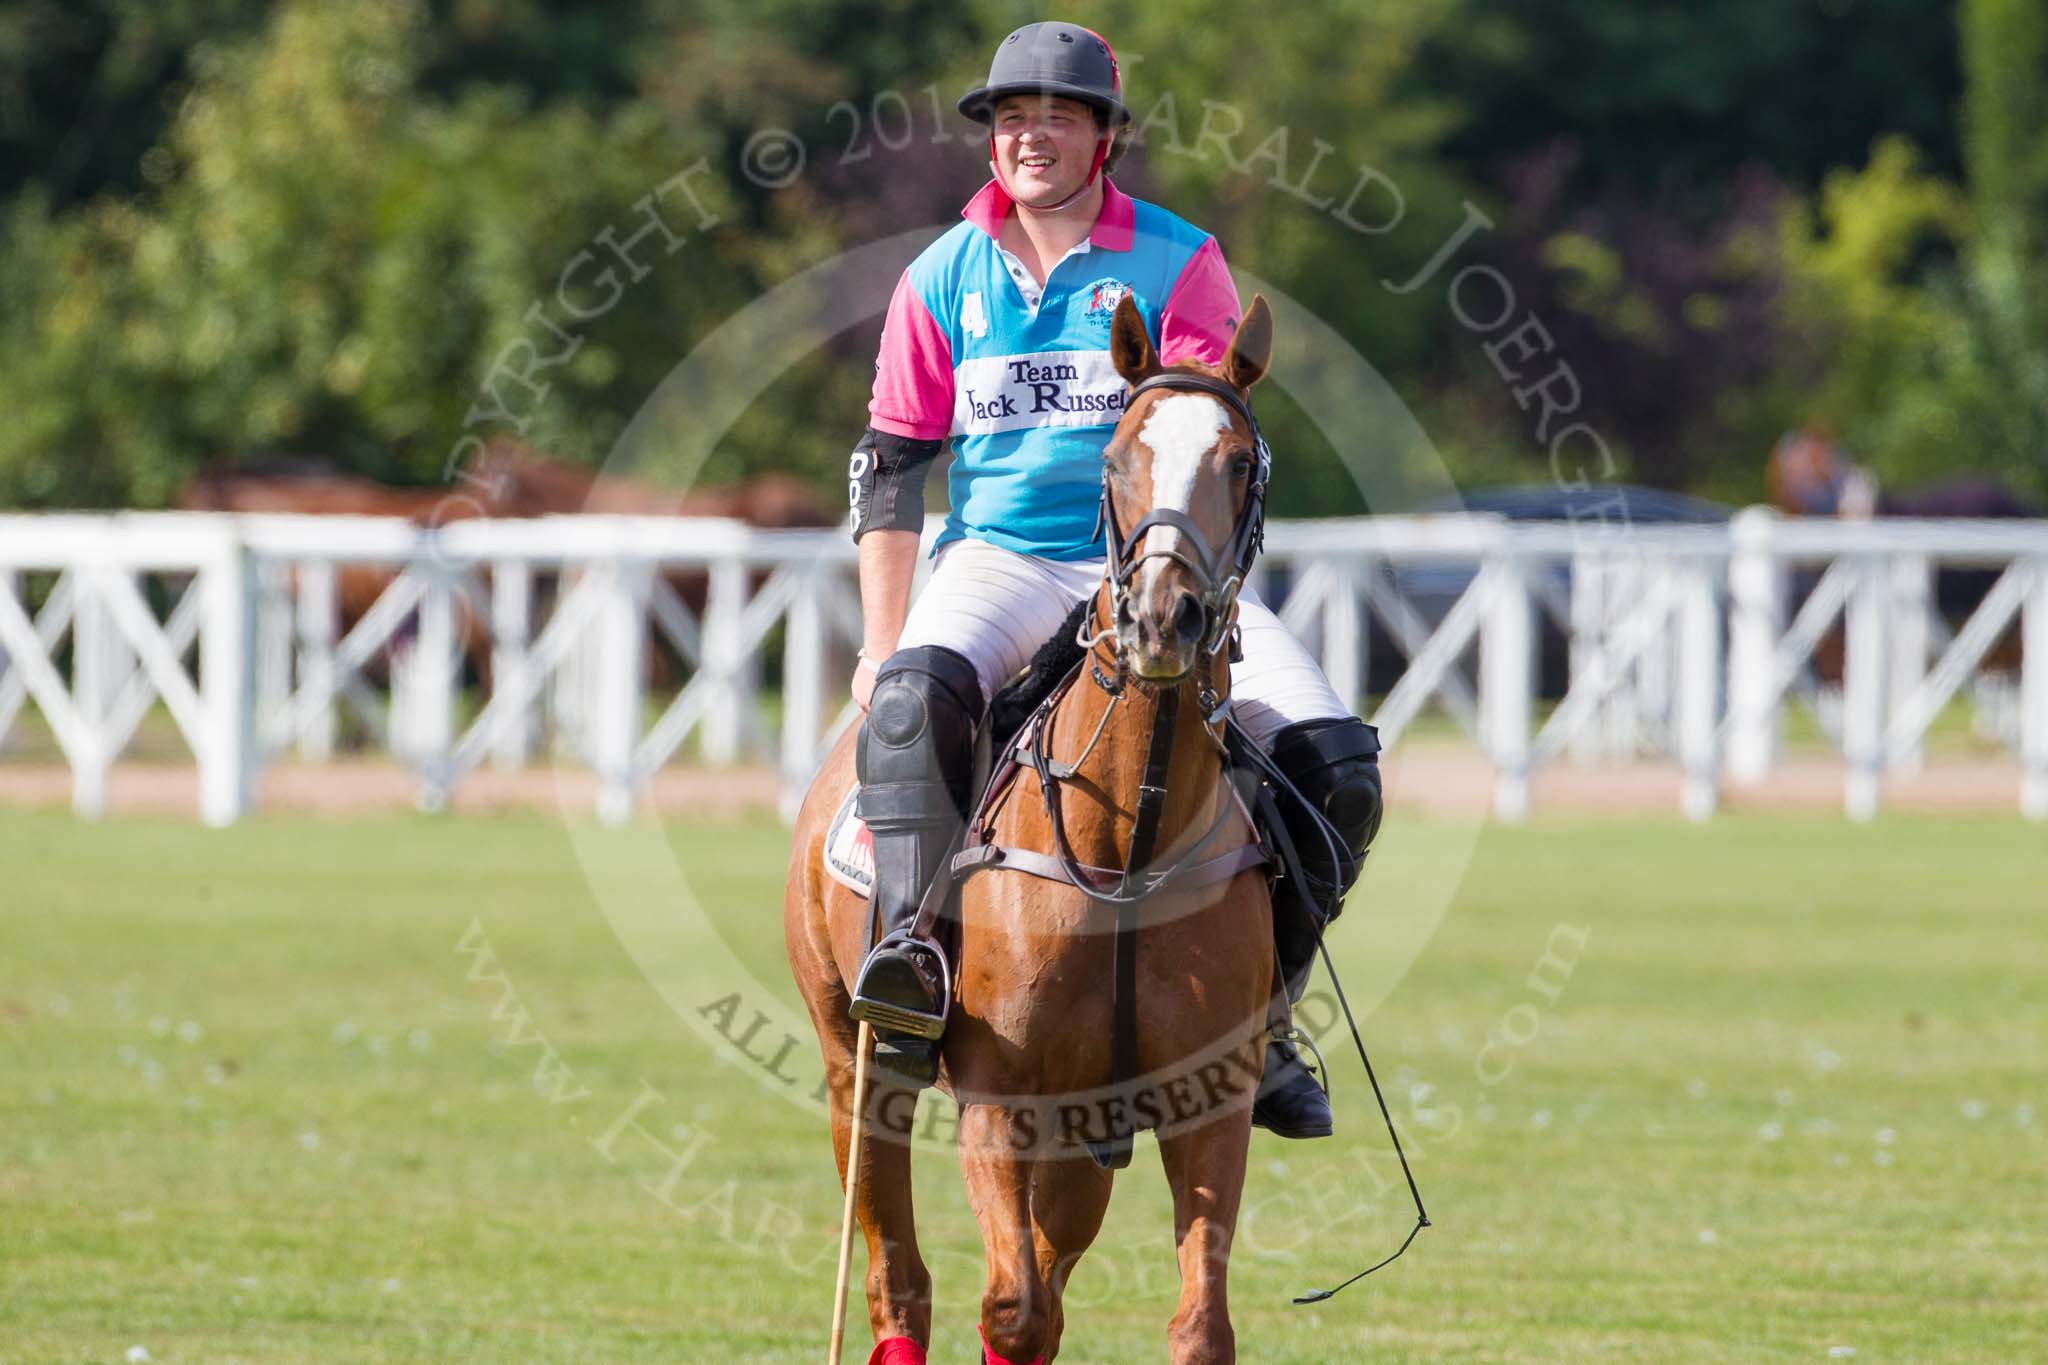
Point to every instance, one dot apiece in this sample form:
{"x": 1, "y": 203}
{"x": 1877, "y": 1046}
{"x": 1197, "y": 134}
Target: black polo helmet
{"x": 1051, "y": 58}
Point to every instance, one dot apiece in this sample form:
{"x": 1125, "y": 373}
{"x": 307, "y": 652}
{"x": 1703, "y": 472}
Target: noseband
{"x": 1220, "y": 575}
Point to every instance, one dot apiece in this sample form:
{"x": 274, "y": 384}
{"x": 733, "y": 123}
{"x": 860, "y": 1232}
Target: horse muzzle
{"x": 1163, "y": 625}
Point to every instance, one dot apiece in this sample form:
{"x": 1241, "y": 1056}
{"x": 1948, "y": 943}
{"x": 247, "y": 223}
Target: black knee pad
{"x": 1334, "y": 764}
{"x": 915, "y": 758}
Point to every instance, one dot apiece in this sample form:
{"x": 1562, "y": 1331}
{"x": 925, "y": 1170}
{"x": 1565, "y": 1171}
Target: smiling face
{"x": 1045, "y": 146}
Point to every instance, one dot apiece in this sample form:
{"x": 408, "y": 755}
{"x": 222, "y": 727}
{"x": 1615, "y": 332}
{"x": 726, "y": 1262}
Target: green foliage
{"x": 2002, "y": 296}
{"x": 1678, "y": 99}
{"x": 331, "y": 269}
{"x": 1933, "y": 299}
{"x": 236, "y": 228}
{"x": 1855, "y": 280}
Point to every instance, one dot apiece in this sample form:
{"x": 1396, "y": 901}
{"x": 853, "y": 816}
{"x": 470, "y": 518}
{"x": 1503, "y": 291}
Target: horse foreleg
{"x": 1206, "y": 1169}
{"x": 1016, "y": 1303}
{"x": 898, "y": 1286}
{"x": 1068, "y": 1200}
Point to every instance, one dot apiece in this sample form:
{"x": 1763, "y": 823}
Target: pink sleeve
{"x": 1201, "y": 313}
{"x": 913, "y": 394}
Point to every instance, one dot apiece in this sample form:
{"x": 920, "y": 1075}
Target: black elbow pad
{"x": 885, "y": 481}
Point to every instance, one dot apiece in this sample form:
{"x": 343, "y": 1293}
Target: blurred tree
{"x": 2001, "y": 294}
{"x": 1645, "y": 152}
{"x": 1673, "y": 100}
{"x": 232, "y": 228}
{"x": 1857, "y": 261}
{"x": 88, "y": 86}
{"x": 330, "y": 267}
{"x": 1930, "y": 302}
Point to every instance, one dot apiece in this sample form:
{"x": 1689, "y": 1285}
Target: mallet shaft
{"x": 860, "y": 1107}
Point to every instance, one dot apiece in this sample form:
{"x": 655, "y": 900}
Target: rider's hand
{"x": 863, "y": 681}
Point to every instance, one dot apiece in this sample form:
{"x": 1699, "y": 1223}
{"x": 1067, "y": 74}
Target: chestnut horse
{"x": 1031, "y": 1047}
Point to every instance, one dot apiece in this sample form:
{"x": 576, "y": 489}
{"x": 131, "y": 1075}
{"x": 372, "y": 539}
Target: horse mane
{"x": 1056, "y": 658}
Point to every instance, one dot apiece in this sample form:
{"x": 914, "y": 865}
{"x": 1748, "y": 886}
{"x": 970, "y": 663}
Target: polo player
{"x": 997, "y": 338}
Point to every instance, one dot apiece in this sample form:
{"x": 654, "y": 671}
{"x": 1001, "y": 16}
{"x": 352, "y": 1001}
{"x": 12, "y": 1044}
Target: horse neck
{"x": 1100, "y": 802}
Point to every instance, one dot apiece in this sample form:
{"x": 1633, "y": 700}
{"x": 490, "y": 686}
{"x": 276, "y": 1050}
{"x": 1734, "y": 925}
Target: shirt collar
{"x": 1115, "y": 225}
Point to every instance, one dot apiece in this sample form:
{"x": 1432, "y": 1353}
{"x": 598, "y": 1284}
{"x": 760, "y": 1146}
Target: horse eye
{"x": 1241, "y": 467}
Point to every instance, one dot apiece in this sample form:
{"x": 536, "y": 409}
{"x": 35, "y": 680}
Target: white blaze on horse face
{"x": 1180, "y": 431}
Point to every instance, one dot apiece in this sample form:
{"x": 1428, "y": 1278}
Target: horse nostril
{"x": 1187, "y": 620}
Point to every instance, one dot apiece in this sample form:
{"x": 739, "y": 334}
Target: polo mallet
{"x": 861, "y": 1045}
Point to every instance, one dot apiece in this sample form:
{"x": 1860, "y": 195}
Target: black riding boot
{"x": 1334, "y": 765}
{"x": 915, "y": 761}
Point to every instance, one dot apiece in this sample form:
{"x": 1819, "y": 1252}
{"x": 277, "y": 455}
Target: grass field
{"x": 1787, "y": 1101}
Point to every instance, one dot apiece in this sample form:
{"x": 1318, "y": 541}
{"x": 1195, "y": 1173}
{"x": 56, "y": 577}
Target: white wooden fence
{"x": 1684, "y": 641}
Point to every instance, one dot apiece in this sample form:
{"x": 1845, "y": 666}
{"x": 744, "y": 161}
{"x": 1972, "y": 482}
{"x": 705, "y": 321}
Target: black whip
{"x": 1340, "y": 857}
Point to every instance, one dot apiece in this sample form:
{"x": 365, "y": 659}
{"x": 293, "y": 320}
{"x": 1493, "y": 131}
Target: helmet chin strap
{"x": 1102, "y": 145}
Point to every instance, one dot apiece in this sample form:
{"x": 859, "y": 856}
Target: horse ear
{"x": 1251, "y": 350}
{"x": 1130, "y": 348}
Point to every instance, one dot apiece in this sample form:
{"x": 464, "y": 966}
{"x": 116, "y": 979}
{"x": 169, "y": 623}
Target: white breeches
{"x": 996, "y": 607}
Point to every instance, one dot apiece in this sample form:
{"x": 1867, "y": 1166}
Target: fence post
{"x": 728, "y": 669}
{"x": 1863, "y": 685}
{"x": 621, "y": 636}
{"x": 319, "y": 629}
{"x": 1912, "y": 604}
{"x": 1507, "y": 682}
{"x": 227, "y": 752}
{"x": 1343, "y": 647}
{"x": 568, "y": 690}
{"x": 1589, "y": 633}
{"x": 511, "y": 625}
{"x": 803, "y": 689}
{"x": 1757, "y": 587}
{"x": 274, "y": 634}
{"x": 99, "y": 659}
{"x": 10, "y": 584}
{"x": 1699, "y": 688}
{"x": 426, "y": 698}
{"x": 2034, "y": 695}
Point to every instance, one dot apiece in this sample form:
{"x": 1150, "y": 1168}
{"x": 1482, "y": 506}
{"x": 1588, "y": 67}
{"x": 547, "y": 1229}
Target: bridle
{"x": 1220, "y": 575}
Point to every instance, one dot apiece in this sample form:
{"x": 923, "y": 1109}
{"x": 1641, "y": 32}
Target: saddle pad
{"x": 849, "y": 848}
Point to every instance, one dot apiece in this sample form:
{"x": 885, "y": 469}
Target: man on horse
{"x": 998, "y": 338}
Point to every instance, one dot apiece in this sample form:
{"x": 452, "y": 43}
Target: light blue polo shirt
{"x": 1034, "y": 396}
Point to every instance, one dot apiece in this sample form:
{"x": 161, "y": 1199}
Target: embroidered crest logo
{"x": 1103, "y": 297}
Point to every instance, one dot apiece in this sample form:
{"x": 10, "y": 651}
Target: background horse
{"x": 1810, "y": 474}
{"x": 506, "y": 478}
{"x": 1031, "y": 1027}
